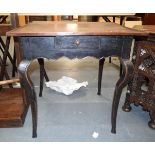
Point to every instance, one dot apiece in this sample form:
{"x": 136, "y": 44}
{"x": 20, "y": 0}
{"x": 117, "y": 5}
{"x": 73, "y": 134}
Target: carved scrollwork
{"x": 141, "y": 90}
{"x": 143, "y": 51}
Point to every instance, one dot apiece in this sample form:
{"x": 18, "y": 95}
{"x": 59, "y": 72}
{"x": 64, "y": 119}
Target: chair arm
{"x": 9, "y": 81}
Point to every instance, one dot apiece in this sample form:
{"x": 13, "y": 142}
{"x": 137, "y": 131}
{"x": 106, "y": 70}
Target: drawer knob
{"x": 77, "y": 42}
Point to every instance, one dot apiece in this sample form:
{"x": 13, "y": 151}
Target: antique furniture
{"x": 13, "y": 105}
{"x": 141, "y": 89}
{"x": 52, "y": 40}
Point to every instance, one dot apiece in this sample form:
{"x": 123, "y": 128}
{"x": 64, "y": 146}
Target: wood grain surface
{"x": 145, "y": 28}
{"x": 50, "y": 28}
{"x": 13, "y": 107}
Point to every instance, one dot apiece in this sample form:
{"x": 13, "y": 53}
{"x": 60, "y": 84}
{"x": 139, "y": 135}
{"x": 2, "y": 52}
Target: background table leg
{"x": 101, "y": 64}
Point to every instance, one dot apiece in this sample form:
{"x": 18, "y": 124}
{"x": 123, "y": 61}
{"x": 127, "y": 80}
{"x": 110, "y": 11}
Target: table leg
{"x": 121, "y": 20}
{"x": 28, "y": 86}
{"x": 127, "y": 67}
{"x": 101, "y": 64}
{"x": 114, "y": 17}
{"x": 109, "y": 59}
{"x": 14, "y": 69}
{"x": 42, "y": 75}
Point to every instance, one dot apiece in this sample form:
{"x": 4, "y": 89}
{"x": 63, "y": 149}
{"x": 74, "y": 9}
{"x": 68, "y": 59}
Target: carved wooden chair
{"x": 141, "y": 89}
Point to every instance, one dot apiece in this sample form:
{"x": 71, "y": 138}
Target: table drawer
{"x": 109, "y": 43}
{"x": 37, "y": 43}
{"x": 77, "y": 42}
{"x": 36, "y": 46}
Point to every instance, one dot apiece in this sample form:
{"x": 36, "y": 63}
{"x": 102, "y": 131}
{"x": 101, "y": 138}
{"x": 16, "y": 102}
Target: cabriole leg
{"x": 127, "y": 67}
{"x": 28, "y": 86}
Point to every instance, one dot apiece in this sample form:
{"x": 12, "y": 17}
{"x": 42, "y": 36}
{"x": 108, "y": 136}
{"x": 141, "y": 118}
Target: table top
{"x": 51, "y": 14}
{"x": 54, "y": 28}
{"x": 146, "y": 28}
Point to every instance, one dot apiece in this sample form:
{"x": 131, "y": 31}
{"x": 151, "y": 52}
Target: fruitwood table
{"x": 52, "y": 40}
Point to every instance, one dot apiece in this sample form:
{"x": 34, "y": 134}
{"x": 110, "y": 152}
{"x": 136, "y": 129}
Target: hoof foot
{"x": 34, "y": 135}
{"x": 40, "y": 95}
{"x": 126, "y": 108}
{"x": 113, "y": 130}
{"x": 98, "y": 93}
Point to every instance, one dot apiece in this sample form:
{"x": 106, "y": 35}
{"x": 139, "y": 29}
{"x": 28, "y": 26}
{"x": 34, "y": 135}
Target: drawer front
{"x": 110, "y": 43}
{"x": 36, "y": 46}
{"x": 77, "y": 42}
{"x": 75, "y": 46}
{"x": 42, "y": 43}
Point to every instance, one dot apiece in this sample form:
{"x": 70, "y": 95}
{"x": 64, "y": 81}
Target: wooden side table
{"x": 53, "y": 40}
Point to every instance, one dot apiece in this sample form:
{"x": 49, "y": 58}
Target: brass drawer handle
{"x": 77, "y": 42}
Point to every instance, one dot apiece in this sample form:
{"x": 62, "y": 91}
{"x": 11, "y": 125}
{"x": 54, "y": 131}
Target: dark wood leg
{"x": 114, "y": 19}
{"x": 45, "y": 75}
{"x": 101, "y": 64}
{"x": 28, "y": 86}
{"x": 34, "y": 119}
{"x": 122, "y": 82}
{"x": 133, "y": 87}
{"x": 126, "y": 107}
{"x": 109, "y": 59}
{"x": 14, "y": 69}
{"x": 41, "y": 64}
{"x": 42, "y": 75}
{"x": 121, "y": 20}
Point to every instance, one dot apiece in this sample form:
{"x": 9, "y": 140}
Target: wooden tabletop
{"x": 50, "y": 28}
{"x": 147, "y": 28}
